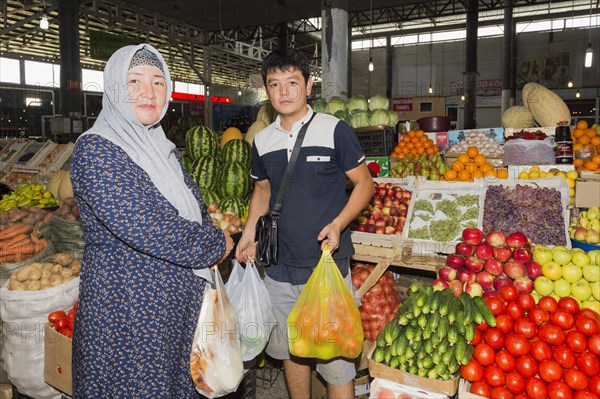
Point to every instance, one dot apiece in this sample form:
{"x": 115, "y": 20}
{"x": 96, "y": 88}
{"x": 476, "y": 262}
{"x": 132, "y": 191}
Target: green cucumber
{"x": 448, "y": 355}
{"x": 467, "y": 356}
{"x": 485, "y": 311}
{"x": 442, "y": 329}
{"x": 452, "y": 335}
{"x": 470, "y": 332}
{"x": 454, "y": 310}
{"x": 443, "y": 346}
{"x": 435, "y": 300}
{"x": 378, "y": 355}
{"x": 459, "y": 348}
{"x": 467, "y": 302}
{"x": 434, "y": 320}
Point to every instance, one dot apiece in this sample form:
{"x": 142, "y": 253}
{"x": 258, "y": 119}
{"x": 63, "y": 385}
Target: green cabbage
{"x": 378, "y": 102}
{"x": 334, "y": 105}
{"x": 319, "y": 105}
{"x": 357, "y": 103}
{"x": 393, "y": 116}
{"x": 342, "y": 114}
{"x": 360, "y": 119}
{"x": 379, "y": 117}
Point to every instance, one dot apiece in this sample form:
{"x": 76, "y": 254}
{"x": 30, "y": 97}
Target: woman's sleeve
{"x": 107, "y": 181}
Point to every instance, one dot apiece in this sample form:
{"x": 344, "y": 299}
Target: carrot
{"x": 14, "y": 231}
{"x": 35, "y": 239}
{"x": 19, "y": 244}
{"x": 10, "y": 241}
{"x": 23, "y": 250}
{"x": 7, "y": 259}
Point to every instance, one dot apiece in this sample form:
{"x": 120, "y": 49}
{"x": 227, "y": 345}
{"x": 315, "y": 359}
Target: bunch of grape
{"x": 444, "y": 230}
{"x": 471, "y": 213}
{"x": 423, "y": 205}
{"x": 535, "y": 212}
{"x": 449, "y": 208}
{"x": 420, "y": 233}
{"x": 468, "y": 200}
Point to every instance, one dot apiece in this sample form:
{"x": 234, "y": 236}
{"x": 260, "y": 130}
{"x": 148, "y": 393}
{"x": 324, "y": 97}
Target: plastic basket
{"x": 377, "y": 141}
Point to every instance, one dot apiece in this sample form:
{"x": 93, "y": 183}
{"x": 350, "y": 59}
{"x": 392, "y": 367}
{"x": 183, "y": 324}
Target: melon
{"x": 205, "y": 171}
{"x": 233, "y": 204}
{"x": 234, "y": 180}
{"x": 210, "y": 197}
{"x": 517, "y": 117}
{"x": 200, "y": 141}
{"x": 254, "y": 128}
{"x": 231, "y": 133}
{"x": 237, "y": 150}
{"x": 547, "y": 108}
{"x": 265, "y": 114}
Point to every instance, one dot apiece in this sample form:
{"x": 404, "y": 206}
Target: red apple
{"x": 380, "y": 223}
{"x": 522, "y": 255}
{"x": 465, "y": 275}
{"x": 370, "y": 227}
{"x": 455, "y": 261}
{"x": 473, "y": 289}
{"x": 495, "y": 239}
{"x": 457, "y": 287}
{"x": 439, "y": 285}
{"x": 516, "y": 240}
{"x": 534, "y": 269}
{"x": 389, "y": 185}
{"x": 472, "y": 235}
{"x": 524, "y": 285}
{"x": 464, "y": 249}
{"x": 484, "y": 251}
{"x": 362, "y": 227}
{"x": 493, "y": 266}
{"x": 380, "y": 191}
{"x": 389, "y": 230}
{"x": 485, "y": 279}
{"x": 502, "y": 254}
{"x": 379, "y": 229}
{"x": 514, "y": 269}
{"x": 490, "y": 294}
{"x": 501, "y": 281}
{"x": 473, "y": 263}
{"x": 447, "y": 273}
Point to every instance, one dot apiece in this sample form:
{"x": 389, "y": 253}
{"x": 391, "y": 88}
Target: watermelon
{"x": 233, "y": 204}
{"x": 205, "y": 171}
{"x": 187, "y": 163}
{"x": 234, "y": 180}
{"x": 237, "y": 150}
{"x": 210, "y": 197}
{"x": 200, "y": 141}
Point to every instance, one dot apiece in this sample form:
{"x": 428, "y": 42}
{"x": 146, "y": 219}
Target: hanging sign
{"x": 402, "y": 104}
{"x": 103, "y": 45}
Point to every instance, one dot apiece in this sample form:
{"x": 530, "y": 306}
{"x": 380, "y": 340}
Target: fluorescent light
{"x": 588, "y": 56}
{"x": 371, "y": 66}
{"x": 33, "y": 102}
{"x": 44, "y": 22}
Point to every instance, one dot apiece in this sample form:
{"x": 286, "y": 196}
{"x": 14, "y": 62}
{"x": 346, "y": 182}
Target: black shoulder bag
{"x": 266, "y": 226}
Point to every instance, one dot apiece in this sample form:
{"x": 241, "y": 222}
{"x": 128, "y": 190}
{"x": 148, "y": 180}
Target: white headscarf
{"x": 147, "y": 146}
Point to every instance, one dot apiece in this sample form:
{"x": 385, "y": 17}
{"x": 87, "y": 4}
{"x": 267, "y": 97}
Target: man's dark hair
{"x": 285, "y": 60}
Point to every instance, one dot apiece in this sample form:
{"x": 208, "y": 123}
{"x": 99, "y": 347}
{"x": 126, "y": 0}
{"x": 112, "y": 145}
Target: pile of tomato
{"x": 546, "y": 350}
{"x": 63, "y": 321}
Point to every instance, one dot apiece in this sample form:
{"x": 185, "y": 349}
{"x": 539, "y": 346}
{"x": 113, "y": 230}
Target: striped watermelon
{"x": 237, "y": 150}
{"x": 187, "y": 163}
{"x": 234, "y": 180}
{"x": 199, "y": 141}
{"x": 210, "y": 197}
{"x": 233, "y": 204}
{"x": 205, "y": 171}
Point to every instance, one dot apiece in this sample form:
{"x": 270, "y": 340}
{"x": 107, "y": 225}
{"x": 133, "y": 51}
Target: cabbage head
{"x": 334, "y": 105}
{"x": 342, "y": 114}
{"x": 360, "y": 119}
{"x": 379, "y": 117}
{"x": 319, "y": 105}
{"x": 393, "y": 116}
{"x": 379, "y": 102}
{"x": 357, "y": 103}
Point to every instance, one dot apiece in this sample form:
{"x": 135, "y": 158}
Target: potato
{"x": 33, "y": 286}
{"x": 23, "y": 274}
{"x": 67, "y": 279}
{"x": 15, "y": 285}
{"x": 35, "y": 275}
{"x": 56, "y": 279}
{"x": 45, "y": 284}
{"x": 66, "y": 272}
{"x": 47, "y": 266}
{"x": 46, "y": 275}
{"x": 76, "y": 267}
{"x": 63, "y": 258}
{"x": 56, "y": 268}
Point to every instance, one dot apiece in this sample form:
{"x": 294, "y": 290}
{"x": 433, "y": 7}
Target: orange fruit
{"x": 577, "y": 146}
{"x": 491, "y": 173}
{"x": 488, "y": 166}
{"x": 582, "y": 124}
{"x": 596, "y": 141}
{"x": 436, "y": 148}
{"x": 480, "y": 159}
{"x": 424, "y": 139}
{"x": 414, "y": 140}
{"x": 577, "y": 162}
{"x": 471, "y": 167}
{"x": 458, "y": 166}
{"x": 405, "y": 151}
{"x": 502, "y": 174}
{"x": 477, "y": 174}
{"x": 411, "y": 133}
{"x": 590, "y": 165}
{"x": 595, "y": 158}
{"x": 464, "y": 175}
{"x": 450, "y": 174}
{"x": 428, "y": 144}
{"x": 464, "y": 158}
{"x": 577, "y": 133}
{"x": 591, "y": 133}
{"x": 419, "y": 133}
{"x": 430, "y": 151}
{"x": 418, "y": 144}
{"x": 472, "y": 152}
{"x": 410, "y": 146}
{"x": 584, "y": 140}
{"x": 420, "y": 150}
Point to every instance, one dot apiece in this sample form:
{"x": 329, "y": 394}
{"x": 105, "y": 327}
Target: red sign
{"x": 199, "y": 97}
{"x": 402, "y": 104}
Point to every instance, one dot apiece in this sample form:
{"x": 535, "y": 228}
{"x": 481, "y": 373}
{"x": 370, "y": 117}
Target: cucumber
{"x": 387, "y": 356}
{"x": 443, "y": 327}
{"x": 467, "y": 356}
{"x": 434, "y": 320}
{"x": 432, "y": 374}
{"x": 381, "y": 339}
{"x": 441, "y": 368}
{"x": 426, "y": 309}
{"x": 395, "y": 331}
{"x": 428, "y": 347}
{"x": 421, "y": 299}
{"x": 477, "y": 315}
{"x": 422, "y": 372}
{"x": 470, "y": 332}
{"x": 436, "y": 357}
{"x": 378, "y": 355}
{"x": 402, "y": 344}
{"x": 467, "y": 302}
{"x": 454, "y": 366}
{"x": 422, "y": 320}
{"x": 418, "y": 334}
{"x": 447, "y": 296}
{"x": 403, "y": 320}
{"x": 455, "y": 310}
{"x": 416, "y": 346}
{"x": 485, "y": 311}
{"x": 409, "y": 353}
{"x": 435, "y": 300}
{"x": 435, "y": 340}
{"x": 409, "y": 333}
{"x": 460, "y": 327}
{"x": 448, "y": 355}
{"x": 459, "y": 348}
{"x": 387, "y": 333}
{"x": 428, "y": 362}
{"x": 394, "y": 362}
{"x": 414, "y": 369}
{"x": 443, "y": 346}
{"x": 414, "y": 288}
{"x": 427, "y": 333}
{"x": 452, "y": 335}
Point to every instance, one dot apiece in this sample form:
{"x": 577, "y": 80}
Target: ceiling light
{"x": 430, "y": 89}
{"x": 462, "y": 98}
{"x": 570, "y": 84}
{"x": 577, "y": 95}
{"x": 588, "y": 56}
{"x": 239, "y": 92}
{"x": 44, "y": 22}
{"x": 371, "y": 66}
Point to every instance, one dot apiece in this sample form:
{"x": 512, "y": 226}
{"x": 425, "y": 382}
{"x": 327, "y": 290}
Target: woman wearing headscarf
{"x": 147, "y": 233}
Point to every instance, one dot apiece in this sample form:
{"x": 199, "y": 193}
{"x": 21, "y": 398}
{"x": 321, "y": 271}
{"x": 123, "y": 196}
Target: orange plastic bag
{"x": 325, "y": 321}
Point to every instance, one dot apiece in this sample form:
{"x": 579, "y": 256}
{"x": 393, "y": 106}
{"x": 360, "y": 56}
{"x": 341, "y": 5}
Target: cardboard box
{"x": 514, "y": 170}
{"x": 401, "y": 391}
{"x": 587, "y": 190}
{"x": 456, "y": 136}
{"x": 57, "y": 360}
{"x": 318, "y": 387}
{"x": 464, "y": 391}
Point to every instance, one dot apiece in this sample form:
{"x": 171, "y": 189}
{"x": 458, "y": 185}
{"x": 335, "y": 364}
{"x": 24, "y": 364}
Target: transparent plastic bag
{"x": 257, "y": 320}
{"x": 216, "y": 360}
{"x": 529, "y": 152}
{"x": 325, "y": 321}
{"x": 235, "y": 276}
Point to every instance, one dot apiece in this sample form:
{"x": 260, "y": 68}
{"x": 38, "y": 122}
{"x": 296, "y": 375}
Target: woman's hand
{"x": 228, "y": 248}
{"x": 246, "y": 248}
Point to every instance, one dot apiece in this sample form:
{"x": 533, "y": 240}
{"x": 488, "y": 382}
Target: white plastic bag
{"x": 257, "y": 319}
{"x": 215, "y": 360}
{"x": 234, "y": 279}
{"x": 529, "y": 152}
{"x": 24, "y": 314}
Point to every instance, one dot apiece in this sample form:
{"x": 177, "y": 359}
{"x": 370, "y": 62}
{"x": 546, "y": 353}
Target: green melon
{"x": 210, "y": 197}
{"x": 234, "y": 180}
{"x": 233, "y": 204}
{"x": 237, "y": 150}
{"x": 200, "y": 141}
{"x": 187, "y": 163}
{"x": 205, "y": 171}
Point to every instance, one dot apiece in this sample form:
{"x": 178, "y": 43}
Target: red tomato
{"x": 505, "y": 361}
{"x": 589, "y": 313}
{"x": 585, "y": 395}
{"x": 551, "y": 334}
{"x": 569, "y": 304}
{"x": 493, "y": 376}
{"x": 504, "y": 323}
{"x": 494, "y": 338}
{"x": 478, "y": 338}
{"x": 482, "y": 327}
{"x": 502, "y": 393}
{"x": 563, "y": 319}
{"x": 495, "y": 304}
{"x": 526, "y": 301}
{"x": 482, "y": 389}
{"x": 526, "y": 328}
{"x": 576, "y": 341}
{"x": 541, "y": 351}
{"x": 56, "y": 316}
{"x": 515, "y": 382}
{"x": 484, "y": 354}
{"x": 521, "y": 396}
{"x": 548, "y": 303}
{"x": 564, "y": 356}
{"x": 517, "y": 345}
{"x": 550, "y": 371}
{"x": 472, "y": 371}
{"x": 71, "y": 314}
{"x": 538, "y": 315}
{"x": 594, "y": 385}
{"x": 536, "y": 388}
{"x": 526, "y": 366}
{"x": 594, "y": 344}
{"x": 62, "y": 323}
{"x": 514, "y": 309}
{"x": 575, "y": 379}
{"x": 66, "y": 332}
{"x": 509, "y": 293}
{"x": 587, "y": 325}
{"x": 560, "y": 390}
{"x": 588, "y": 363}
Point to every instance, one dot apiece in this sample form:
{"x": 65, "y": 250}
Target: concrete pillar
{"x": 70, "y": 65}
{"x": 507, "y": 57}
{"x": 471, "y": 65}
{"x": 334, "y": 48}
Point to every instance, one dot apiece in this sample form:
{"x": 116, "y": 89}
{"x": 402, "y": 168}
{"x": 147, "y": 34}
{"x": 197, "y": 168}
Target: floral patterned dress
{"x": 139, "y": 299}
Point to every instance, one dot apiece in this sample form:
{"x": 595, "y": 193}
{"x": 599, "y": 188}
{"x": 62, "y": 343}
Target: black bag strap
{"x": 289, "y": 171}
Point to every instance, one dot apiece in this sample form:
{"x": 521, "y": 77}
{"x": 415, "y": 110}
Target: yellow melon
{"x": 231, "y": 133}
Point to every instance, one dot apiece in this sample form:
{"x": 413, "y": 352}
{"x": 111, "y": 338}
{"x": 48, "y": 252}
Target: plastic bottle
{"x": 563, "y": 143}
